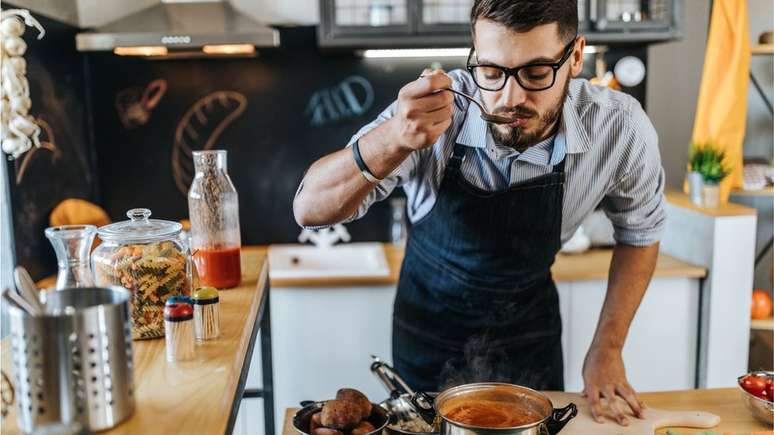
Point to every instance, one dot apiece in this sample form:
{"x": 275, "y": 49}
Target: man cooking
{"x": 491, "y": 204}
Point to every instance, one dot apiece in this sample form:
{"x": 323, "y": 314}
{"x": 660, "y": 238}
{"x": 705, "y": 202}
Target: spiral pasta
{"x": 152, "y": 272}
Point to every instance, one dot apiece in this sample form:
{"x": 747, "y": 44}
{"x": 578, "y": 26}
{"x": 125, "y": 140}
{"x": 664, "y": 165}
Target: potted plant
{"x": 708, "y": 160}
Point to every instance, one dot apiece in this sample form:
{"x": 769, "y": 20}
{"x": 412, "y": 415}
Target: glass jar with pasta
{"x": 145, "y": 256}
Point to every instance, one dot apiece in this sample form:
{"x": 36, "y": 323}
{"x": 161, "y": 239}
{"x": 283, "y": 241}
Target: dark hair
{"x": 524, "y": 15}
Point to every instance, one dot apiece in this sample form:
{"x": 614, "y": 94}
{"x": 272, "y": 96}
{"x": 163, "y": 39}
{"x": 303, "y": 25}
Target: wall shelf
{"x": 762, "y": 49}
{"x": 762, "y": 324}
{"x": 766, "y": 191}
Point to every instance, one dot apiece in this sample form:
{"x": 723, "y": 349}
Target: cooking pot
{"x": 492, "y": 409}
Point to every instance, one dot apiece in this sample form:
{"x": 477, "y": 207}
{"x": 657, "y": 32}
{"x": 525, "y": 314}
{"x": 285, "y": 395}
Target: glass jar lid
{"x": 140, "y": 228}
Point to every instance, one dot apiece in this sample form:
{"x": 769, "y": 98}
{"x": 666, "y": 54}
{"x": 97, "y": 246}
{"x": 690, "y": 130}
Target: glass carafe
{"x": 72, "y": 245}
{"x": 213, "y": 207}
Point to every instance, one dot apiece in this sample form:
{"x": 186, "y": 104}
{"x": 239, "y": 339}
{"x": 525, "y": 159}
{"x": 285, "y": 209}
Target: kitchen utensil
{"x": 74, "y": 363}
{"x": 398, "y": 389}
{"x": 378, "y": 418}
{"x": 146, "y": 257}
{"x": 548, "y": 420}
{"x": 213, "y": 207}
{"x": 762, "y": 410}
{"x": 72, "y": 245}
{"x": 486, "y": 116}
{"x": 15, "y": 299}
{"x": 654, "y": 419}
{"x": 27, "y": 288}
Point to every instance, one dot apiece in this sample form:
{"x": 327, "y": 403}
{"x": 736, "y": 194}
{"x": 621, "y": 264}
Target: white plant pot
{"x": 710, "y": 194}
{"x": 695, "y": 183}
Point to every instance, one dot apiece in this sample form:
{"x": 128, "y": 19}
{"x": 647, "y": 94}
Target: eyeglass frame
{"x": 555, "y": 66}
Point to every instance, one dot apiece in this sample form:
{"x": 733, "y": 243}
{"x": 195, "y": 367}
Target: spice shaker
{"x": 178, "y": 323}
{"x": 213, "y": 207}
{"x": 180, "y": 299}
{"x": 206, "y": 313}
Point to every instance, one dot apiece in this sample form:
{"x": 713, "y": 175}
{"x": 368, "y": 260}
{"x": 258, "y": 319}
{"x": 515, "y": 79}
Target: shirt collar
{"x": 576, "y": 137}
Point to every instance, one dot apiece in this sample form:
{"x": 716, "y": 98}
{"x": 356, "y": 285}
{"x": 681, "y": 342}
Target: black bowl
{"x": 378, "y": 418}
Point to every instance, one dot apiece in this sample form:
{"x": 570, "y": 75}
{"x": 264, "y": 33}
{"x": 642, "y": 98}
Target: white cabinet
{"x": 660, "y": 351}
{"x": 323, "y": 339}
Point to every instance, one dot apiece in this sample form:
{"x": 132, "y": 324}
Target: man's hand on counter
{"x": 604, "y": 376}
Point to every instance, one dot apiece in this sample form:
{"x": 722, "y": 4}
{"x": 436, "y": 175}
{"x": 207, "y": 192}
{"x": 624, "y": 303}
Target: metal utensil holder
{"x": 75, "y": 362}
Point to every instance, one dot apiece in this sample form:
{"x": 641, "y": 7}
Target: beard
{"x": 519, "y": 139}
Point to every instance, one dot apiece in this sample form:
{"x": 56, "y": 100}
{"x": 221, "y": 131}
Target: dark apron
{"x": 476, "y": 301}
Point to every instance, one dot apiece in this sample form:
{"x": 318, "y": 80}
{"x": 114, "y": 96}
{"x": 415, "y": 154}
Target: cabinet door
{"x": 365, "y": 17}
{"x": 583, "y": 16}
{"x": 443, "y": 16}
{"x": 633, "y": 15}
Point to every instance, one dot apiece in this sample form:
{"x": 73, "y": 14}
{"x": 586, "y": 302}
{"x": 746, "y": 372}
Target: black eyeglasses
{"x": 532, "y": 77}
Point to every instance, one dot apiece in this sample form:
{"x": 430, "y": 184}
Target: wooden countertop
{"x": 192, "y": 397}
{"x": 590, "y": 265}
{"x": 724, "y": 402}
{"x": 680, "y": 199}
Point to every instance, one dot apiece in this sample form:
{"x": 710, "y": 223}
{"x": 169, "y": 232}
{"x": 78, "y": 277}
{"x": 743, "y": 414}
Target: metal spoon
{"x": 15, "y": 298}
{"x": 27, "y": 288}
{"x": 486, "y": 116}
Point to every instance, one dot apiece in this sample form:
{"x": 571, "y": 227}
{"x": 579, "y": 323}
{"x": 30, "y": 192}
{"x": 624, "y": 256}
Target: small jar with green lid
{"x": 206, "y": 313}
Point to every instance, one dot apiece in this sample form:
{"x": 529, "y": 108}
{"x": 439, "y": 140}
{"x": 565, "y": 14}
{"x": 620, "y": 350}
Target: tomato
{"x": 755, "y": 385}
{"x": 769, "y": 390}
{"x": 761, "y": 306}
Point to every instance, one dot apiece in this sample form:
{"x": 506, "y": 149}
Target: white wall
{"x": 674, "y": 74}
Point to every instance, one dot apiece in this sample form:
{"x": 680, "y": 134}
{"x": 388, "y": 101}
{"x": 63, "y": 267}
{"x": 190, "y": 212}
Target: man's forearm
{"x": 333, "y": 187}
{"x": 630, "y": 272}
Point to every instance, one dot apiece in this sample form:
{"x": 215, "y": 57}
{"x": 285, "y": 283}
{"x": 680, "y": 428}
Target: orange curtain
{"x": 722, "y": 106}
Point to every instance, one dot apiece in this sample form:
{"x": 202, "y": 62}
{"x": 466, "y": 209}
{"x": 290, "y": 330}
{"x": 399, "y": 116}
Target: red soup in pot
{"x": 489, "y": 413}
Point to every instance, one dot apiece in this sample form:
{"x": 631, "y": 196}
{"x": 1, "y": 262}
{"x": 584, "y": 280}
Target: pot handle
{"x": 424, "y": 405}
{"x": 560, "y": 417}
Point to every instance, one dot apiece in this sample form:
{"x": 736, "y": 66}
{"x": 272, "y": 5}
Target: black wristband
{"x": 361, "y": 164}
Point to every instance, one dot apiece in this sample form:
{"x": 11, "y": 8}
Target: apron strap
{"x": 455, "y": 161}
{"x": 559, "y": 169}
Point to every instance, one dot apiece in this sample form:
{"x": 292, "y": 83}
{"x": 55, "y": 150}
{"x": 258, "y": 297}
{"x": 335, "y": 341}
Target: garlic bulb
{"x": 18, "y": 131}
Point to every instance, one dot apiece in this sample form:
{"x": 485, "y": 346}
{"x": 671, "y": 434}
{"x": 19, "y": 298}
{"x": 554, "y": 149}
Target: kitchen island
{"x": 201, "y": 396}
{"x": 726, "y": 403}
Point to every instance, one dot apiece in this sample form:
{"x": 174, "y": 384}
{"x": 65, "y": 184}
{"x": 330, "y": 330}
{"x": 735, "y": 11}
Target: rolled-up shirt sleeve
{"x": 397, "y": 178}
{"x": 635, "y": 201}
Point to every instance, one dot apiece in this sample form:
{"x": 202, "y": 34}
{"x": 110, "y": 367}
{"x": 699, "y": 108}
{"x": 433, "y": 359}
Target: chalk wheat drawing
{"x": 199, "y": 129}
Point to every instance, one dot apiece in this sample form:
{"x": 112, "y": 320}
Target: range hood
{"x": 181, "y": 29}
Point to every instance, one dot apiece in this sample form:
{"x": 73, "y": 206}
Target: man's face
{"x": 537, "y": 111}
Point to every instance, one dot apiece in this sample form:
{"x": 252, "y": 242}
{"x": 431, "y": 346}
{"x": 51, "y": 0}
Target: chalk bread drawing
{"x": 47, "y": 142}
{"x": 134, "y": 105}
{"x": 199, "y": 129}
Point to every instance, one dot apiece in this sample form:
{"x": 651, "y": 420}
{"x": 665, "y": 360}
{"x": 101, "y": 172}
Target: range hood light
{"x": 440, "y": 52}
{"x": 416, "y": 52}
{"x": 151, "y": 50}
{"x": 229, "y": 49}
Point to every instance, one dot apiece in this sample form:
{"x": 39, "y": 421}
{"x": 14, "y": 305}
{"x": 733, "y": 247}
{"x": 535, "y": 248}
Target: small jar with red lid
{"x": 179, "y": 331}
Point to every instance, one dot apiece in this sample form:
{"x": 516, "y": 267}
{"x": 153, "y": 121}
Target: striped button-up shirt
{"x": 612, "y": 162}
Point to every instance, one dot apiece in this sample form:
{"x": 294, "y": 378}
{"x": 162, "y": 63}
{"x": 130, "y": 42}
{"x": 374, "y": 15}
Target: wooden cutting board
{"x": 584, "y": 424}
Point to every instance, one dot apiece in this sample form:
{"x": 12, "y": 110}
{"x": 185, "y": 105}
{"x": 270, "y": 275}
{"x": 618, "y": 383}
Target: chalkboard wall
{"x": 300, "y": 105}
